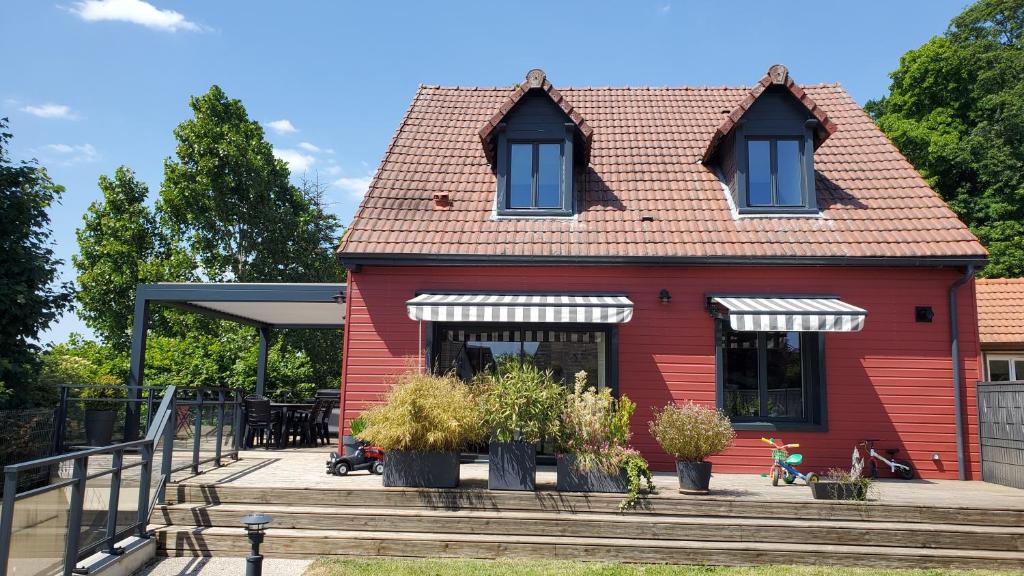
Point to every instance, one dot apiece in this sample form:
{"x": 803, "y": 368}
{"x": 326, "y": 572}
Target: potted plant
{"x": 422, "y": 424}
{"x": 594, "y": 452}
{"x": 691, "y": 432}
{"x": 101, "y": 407}
{"x": 839, "y": 484}
{"x": 520, "y": 404}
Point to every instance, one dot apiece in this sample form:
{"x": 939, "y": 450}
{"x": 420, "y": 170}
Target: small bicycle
{"x": 784, "y": 464}
{"x": 899, "y": 468}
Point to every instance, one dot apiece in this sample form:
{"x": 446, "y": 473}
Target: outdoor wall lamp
{"x": 255, "y": 527}
{"x": 664, "y": 296}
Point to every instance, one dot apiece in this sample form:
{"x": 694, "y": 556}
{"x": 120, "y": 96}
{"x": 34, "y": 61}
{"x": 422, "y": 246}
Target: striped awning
{"x": 810, "y": 314}
{"x": 563, "y": 309}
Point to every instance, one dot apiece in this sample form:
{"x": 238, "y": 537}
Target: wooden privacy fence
{"x": 1001, "y": 428}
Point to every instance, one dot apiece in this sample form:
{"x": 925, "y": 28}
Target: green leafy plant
{"x": 520, "y": 402}
{"x": 424, "y": 413}
{"x": 843, "y": 483}
{"x": 357, "y": 426}
{"x": 594, "y": 426}
{"x": 691, "y": 432}
{"x": 104, "y": 395}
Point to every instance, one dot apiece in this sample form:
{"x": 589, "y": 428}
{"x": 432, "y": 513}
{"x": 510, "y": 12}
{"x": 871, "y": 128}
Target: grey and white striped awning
{"x": 563, "y": 309}
{"x": 810, "y": 314}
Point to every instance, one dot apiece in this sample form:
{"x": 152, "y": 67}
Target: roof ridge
{"x": 641, "y": 87}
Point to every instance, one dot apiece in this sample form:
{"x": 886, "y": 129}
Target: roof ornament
{"x": 535, "y": 78}
{"x": 778, "y": 74}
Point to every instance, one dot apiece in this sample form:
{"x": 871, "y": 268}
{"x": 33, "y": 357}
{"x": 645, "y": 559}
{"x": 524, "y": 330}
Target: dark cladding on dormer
{"x": 537, "y": 144}
{"x": 764, "y": 148}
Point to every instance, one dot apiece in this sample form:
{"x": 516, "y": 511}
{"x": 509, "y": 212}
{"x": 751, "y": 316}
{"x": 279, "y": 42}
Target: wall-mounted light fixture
{"x": 664, "y": 296}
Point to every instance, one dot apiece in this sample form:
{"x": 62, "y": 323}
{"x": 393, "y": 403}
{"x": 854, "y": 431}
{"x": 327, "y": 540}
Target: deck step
{"x": 550, "y": 501}
{"x": 284, "y": 542}
{"x": 638, "y": 525}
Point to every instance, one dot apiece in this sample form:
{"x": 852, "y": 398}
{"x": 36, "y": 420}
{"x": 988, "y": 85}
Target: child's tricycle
{"x": 365, "y": 457}
{"x": 784, "y": 464}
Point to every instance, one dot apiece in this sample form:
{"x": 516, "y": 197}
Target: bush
{"x": 595, "y": 427}
{"x": 103, "y": 396}
{"x": 520, "y": 402}
{"x": 692, "y": 432}
{"x": 424, "y": 413}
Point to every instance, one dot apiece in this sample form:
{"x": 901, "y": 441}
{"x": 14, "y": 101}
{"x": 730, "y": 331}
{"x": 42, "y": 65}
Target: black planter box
{"x": 823, "y": 490}
{"x": 570, "y": 479}
{"x": 694, "y": 477}
{"x": 99, "y": 426}
{"x": 421, "y": 469}
{"x": 512, "y": 466}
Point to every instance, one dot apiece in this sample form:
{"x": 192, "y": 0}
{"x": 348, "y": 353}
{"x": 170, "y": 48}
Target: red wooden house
{"x": 766, "y": 250}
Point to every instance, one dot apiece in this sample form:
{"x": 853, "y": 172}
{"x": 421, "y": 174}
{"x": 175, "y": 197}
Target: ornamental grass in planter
{"x": 594, "y": 452}
{"x": 101, "y": 409}
{"x": 691, "y": 433}
{"x": 840, "y": 484}
{"x": 520, "y": 404}
{"x": 421, "y": 426}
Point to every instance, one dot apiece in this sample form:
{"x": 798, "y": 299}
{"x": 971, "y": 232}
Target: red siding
{"x": 893, "y": 380}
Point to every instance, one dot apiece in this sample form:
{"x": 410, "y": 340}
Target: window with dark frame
{"x": 535, "y": 176}
{"x": 770, "y": 379}
{"x": 775, "y": 173}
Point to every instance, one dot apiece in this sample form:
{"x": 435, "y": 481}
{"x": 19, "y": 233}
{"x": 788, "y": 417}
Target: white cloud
{"x": 282, "y": 126}
{"x": 356, "y": 187}
{"x": 134, "y": 11}
{"x": 49, "y": 111}
{"x": 665, "y": 8}
{"x": 68, "y": 153}
{"x": 332, "y": 170}
{"x": 309, "y": 147}
{"x": 297, "y": 161}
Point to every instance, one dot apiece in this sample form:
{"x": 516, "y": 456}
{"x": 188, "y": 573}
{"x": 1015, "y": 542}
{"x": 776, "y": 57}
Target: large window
{"x": 770, "y": 379}
{"x": 774, "y": 173}
{"x": 468, "y": 350}
{"x": 1005, "y": 368}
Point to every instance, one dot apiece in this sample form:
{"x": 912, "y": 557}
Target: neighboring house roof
{"x": 646, "y": 195}
{"x": 1000, "y": 311}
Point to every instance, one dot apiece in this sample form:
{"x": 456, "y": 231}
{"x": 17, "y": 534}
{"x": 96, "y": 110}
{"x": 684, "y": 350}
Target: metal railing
{"x": 191, "y": 420}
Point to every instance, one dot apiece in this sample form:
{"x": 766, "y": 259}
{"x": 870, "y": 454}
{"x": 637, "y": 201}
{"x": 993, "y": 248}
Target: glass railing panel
{"x": 39, "y": 532}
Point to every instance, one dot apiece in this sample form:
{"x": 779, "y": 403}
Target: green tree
{"x": 956, "y": 110}
{"x": 228, "y": 198}
{"x": 31, "y": 297}
{"x": 120, "y": 245}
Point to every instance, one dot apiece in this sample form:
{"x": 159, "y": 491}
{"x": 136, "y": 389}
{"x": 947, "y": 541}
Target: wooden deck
{"x": 743, "y": 521}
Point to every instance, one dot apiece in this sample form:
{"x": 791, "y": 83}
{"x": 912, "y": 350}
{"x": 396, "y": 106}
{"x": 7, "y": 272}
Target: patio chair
{"x": 260, "y": 420}
{"x": 322, "y": 425}
{"x": 307, "y": 423}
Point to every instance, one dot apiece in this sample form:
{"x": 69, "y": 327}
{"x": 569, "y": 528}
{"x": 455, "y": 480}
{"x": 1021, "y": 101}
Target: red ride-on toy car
{"x": 365, "y": 457}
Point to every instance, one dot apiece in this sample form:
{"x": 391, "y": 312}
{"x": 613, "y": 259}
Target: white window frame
{"x": 1013, "y": 358}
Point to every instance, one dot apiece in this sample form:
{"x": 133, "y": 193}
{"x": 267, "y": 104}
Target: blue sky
{"x": 90, "y": 85}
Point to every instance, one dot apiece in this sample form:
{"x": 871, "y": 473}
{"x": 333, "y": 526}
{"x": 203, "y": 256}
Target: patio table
{"x": 287, "y": 410}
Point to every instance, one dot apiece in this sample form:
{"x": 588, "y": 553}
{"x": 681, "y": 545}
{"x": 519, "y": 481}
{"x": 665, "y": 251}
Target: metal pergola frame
{"x": 264, "y": 306}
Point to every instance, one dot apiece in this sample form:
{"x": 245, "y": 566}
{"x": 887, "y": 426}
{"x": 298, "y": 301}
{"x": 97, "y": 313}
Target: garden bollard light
{"x": 255, "y": 526}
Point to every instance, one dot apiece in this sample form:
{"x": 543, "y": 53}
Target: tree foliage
{"x": 956, "y": 110}
{"x": 121, "y": 244}
{"x": 31, "y": 297}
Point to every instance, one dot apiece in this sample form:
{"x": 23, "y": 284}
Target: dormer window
{"x": 536, "y": 143}
{"x": 775, "y": 173}
{"x": 764, "y": 148}
{"x": 535, "y": 176}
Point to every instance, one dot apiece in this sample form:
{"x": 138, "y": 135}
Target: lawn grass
{"x": 458, "y": 567}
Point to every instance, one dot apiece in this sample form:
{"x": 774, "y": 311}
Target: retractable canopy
{"x": 544, "y": 308}
{"x": 786, "y": 314}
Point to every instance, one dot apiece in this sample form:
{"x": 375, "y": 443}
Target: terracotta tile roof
{"x": 646, "y": 163}
{"x": 1000, "y": 310}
